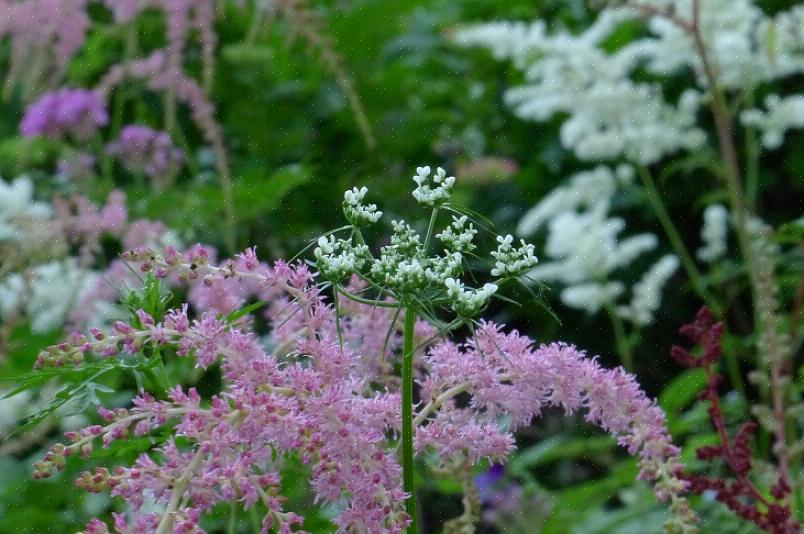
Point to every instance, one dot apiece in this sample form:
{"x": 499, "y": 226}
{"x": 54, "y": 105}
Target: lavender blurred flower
{"x": 488, "y": 480}
{"x": 143, "y": 150}
{"x": 76, "y": 166}
{"x": 76, "y": 112}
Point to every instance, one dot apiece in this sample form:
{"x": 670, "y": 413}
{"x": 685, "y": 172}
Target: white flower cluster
{"x": 338, "y": 258}
{"x": 405, "y": 268}
{"x": 46, "y": 293}
{"x": 584, "y": 247}
{"x": 714, "y": 233}
{"x": 511, "y": 261}
{"x": 20, "y": 215}
{"x": 610, "y": 116}
{"x": 357, "y": 213}
{"x": 783, "y": 114}
{"x": 745, "y": 46}
{"x": 458, "y": 236}
{"x": 592, "y": 296}
{"x": 468, "y": 302}
{"x": 432, "y": 190}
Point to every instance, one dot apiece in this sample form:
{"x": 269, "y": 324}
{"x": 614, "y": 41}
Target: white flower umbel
{"x": 432, "y": 190}
{"x": 406, "y": 269}
{"x": 714, "y": 233}
{"x": 783, "y": 114}
{"x": 512, "y": 261}
{"x": 468, "y": 302}
{"x": 646, "y": 296}
{"x": 337, "y": 258}
{"x": 357, "y": 213}
{"x": 458, "y": 236}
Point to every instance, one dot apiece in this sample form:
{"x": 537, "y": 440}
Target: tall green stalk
{"x": 659, "y": 209}
{"x": 624, "y": 346}
{"x": 407, "y": 418}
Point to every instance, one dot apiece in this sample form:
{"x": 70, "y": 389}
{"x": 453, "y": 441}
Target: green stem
{"x": 407, "y": 418}
{"x": 105, "y": 163}
{"x": 336, "y": 305}
{"x": 361, "y": 300}
{"x": 623, "y": 345}
{"x": 752, "y": 162}
{"x": 232, "y": 527}
{"x": 676, "y": 242}
{"x": 430, "y": 227}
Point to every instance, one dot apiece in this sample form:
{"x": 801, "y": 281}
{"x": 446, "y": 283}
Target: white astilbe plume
{"x": 646, "y": 294}
{"x": 783, "y": 114}
{"x": 745, "y": 46}
{"x": 584, "y": 247}
{"x": 592, "y": 296}
{"x": 587, "y": 188}
{"x": 17, "y": 207}
{"x": 713, "y": 233}
{"x": 610, "y": 116}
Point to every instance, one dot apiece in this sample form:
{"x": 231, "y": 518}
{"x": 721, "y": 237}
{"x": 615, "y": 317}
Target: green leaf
{"x": 557, "y": 448}
{"x": 256, "y": 194}
{"x": 75, "y": 393}
{"x": 81, "y": 385}
{"x": 681, "y": 391}
{"x": 237, "y": 314}
{"x": 575, "y": 504}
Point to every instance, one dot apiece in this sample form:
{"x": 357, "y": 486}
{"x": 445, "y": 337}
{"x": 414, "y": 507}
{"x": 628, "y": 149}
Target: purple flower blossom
{"x": 487, "y": 480}
{"x": 77, "y": 112}
{"x": 77, "y": 166}
{"x": 143, "y": 150}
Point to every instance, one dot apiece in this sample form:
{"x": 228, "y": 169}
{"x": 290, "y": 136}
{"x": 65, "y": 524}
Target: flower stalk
{"x": 407, "y": 419}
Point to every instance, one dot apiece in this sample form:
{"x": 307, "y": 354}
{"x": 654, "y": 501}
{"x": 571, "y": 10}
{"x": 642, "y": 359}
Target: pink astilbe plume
{"x": 507, "y": 375}
{"x": 181, "y": 18}
{"x": 44, "y": 36}
{"x": 158, "y": 75}
{"x": 143, "y": 150}
{"x": 83, "y": 223}
{"x": 311, "y": 400}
